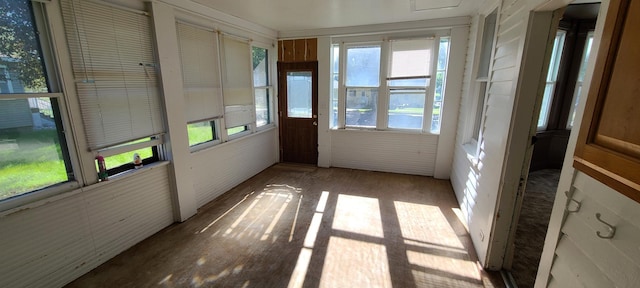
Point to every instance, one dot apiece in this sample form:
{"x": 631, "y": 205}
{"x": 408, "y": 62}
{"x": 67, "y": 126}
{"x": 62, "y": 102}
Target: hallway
{"x": 302, "y": 226}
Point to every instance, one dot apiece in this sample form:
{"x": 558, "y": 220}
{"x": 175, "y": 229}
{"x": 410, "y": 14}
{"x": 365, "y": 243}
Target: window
{"x": 33, "y": 150}
{"x": 482, "y": 77}
{"x": 335, "y": 76}
{"x": 261, "y": 85}
{"x": 581, "y": 73}
{"x": 201, "y": 82}
{"x": 116, "y": 77}
{"x": 362, "y": 83}
{"x": 237, "y": 86}
{"x": 441, "y": 76}
{"x": 552, "y": 77}
{"x": 408, "y": 81}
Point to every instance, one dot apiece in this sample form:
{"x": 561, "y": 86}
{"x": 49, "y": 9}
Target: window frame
{"x": 552, "y": 78}
{"x": 40, "y": 14}
{"x": 478, "y": 91}
{"x": 269, "y": 89}
{"x": 382, "y": 119}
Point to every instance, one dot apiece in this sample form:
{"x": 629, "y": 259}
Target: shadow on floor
{"x": 301, "y": 226}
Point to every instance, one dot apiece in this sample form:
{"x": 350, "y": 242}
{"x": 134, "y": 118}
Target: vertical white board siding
{"x": 607, "y": 262}
{"x": 52, "y": 244}
{"x": 384, "y": 151}
{"x": 218, "y": 169}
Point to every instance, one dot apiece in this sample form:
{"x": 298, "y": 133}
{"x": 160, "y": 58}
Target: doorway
{"x": 298, "y": 106}
{"x": 562, "y": 86}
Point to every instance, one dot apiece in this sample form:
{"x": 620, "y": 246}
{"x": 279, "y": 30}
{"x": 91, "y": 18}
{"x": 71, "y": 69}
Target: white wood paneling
{"x": 52, "y": 244}
{"x": 384, "y": 151}
{"x": 218, "y": 169}
{"x": 598, "y": 262}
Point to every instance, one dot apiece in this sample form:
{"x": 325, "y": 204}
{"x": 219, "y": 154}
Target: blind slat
{"x": 113, "y": 64}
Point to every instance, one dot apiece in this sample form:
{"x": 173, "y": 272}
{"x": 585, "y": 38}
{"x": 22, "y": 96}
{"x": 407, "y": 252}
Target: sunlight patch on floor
{"x": 353, "y": 263}
{"x": 426, "y": 223}
{"x": 360, "y": 215}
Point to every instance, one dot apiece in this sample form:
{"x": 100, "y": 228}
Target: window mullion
{"x": 342, "y": 89}
{"x": 383, "y": 91}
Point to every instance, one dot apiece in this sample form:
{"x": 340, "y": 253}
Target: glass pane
{"x": 21, "y": 68}
{"x": 443, "y": 53}
{"x": 363, "y": 66}
{"x": 574, "y": 105}
{"x": 299, "y": 94}
{"x": 260, "y": 67}
{"x": 201, "y": 132}
{"x": 406, "y": 109}
{"x": 126, "y": 158}
{"x": 556, "y": 55}
{"x": 585, "y": 56}
{"x": 31, "y": 154}
{"x": 546, "y": 105}
{"x": 236, "y": 130}
{"x": 263, "y": 116}
{"x": 362, "y": 107}
{"x": 333, "y": 116}
{"x": 411, "y": 57}
{"x": 488, "y": 34}
{"x": 482, "y": 89}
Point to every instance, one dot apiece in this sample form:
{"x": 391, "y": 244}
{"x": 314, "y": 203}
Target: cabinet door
{"x": 608, "y": 147}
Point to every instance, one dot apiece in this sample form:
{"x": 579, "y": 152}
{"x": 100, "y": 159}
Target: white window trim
{"x": 472, "y": 145}
{"x": 382, "y": 115}
{"x": 272, "y": 70}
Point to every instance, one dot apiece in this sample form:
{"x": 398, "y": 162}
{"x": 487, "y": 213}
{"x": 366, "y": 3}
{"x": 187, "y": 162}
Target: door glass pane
{"x": 299, "y": 94}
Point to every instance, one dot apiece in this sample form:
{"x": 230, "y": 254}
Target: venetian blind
{"x": 115, "y": 72}
{"x": 200, "y": 72}
{"x": 237, "y": 86}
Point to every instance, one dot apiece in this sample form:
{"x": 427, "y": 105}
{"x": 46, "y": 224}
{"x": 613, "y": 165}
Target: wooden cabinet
{"x": 608, "y": 147}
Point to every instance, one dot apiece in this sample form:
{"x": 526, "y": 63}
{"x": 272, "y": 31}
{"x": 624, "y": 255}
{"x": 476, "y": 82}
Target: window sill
{"x": 232, "y": 141}
{"x": 374, "y": 130}
{"x": 470, "y": 148}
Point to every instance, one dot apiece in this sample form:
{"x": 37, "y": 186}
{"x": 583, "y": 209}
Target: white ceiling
{"x": 292, "y": 15}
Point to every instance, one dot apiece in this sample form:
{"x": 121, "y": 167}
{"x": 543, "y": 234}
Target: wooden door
{"x": 298, "y": 106}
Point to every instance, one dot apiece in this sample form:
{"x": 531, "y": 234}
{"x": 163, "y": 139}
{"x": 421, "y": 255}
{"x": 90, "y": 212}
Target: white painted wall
{"x": 479, "y": 181}
{"x": 384, "y": 151}
{"x": 51, "y": 242}
{"x": 219, "y": 168}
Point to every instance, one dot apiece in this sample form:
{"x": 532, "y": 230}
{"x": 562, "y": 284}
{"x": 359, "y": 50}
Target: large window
{"x": 261, "y": 85}
{"x": 115, "y": 72}
{"x": 394, "y": 75}
{"x": 33, "y": 151}
{"x": 552, "y": 77}
{"x": 482, "y": 76}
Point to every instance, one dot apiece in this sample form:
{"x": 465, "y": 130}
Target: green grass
{"x": 236, "y": 130}
{"x": 199, "y": 133}
{"x": 127, "y": 157}
{"x": 34, "y": 162}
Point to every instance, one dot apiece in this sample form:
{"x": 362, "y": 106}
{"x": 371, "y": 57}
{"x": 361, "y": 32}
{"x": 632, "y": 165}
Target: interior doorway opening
{"x": 562, "y": 82}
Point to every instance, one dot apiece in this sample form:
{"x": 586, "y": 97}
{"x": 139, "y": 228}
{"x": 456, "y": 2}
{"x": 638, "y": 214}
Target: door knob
{"x": 315, "y": 123}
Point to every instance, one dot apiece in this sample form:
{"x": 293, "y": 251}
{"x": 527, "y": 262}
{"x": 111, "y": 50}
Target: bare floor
{"x": 301, "y": 226}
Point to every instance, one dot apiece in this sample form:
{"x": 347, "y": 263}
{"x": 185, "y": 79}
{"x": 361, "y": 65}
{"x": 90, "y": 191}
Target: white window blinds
{"x": 411, "y": 58}
{"x": 115, "y": 72}
{"x": 200, "y": 72}
{"x": 237, "y": 86}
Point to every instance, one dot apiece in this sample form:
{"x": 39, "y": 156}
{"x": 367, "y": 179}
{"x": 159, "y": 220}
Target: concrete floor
{"x": 301, "y": 226}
